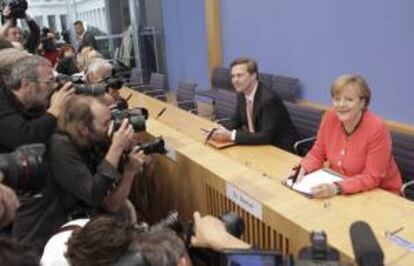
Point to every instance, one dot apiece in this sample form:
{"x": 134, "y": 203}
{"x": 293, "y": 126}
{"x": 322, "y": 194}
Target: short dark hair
{"x": 250, "y": 63}
{"x": 16, "y": 254}
{"x": 160, "y": 247}
{"x": 78, "y": 22}
{"x": 101, "y": 241}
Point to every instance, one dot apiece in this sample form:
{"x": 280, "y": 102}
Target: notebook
{"x": 313, "y": 179}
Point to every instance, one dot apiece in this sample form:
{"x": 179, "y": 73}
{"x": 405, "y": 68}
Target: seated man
{"x": 85, "y": 179}
{"x": 27, "y": 112}
{"x": 260, "y": 117}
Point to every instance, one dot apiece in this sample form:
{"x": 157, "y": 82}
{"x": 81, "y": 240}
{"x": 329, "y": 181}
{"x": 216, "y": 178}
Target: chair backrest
{"x": 221, "y": 78}
{"x": 136, "y": 76}
{"x": 266, "y": 79}
{"x": 158, "y": 81}
{"x": 306, "y": 120}
{"x": 403, "y": 151}
{"x": 186, "y": 95}
{"x": 225, "y": 104}
{"x": 286, "y": 87}
{"x": 186, "y": 91}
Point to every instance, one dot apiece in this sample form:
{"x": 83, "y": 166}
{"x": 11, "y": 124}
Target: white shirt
{"x": 55, "y": 249}
{"x": 250, "y": 98}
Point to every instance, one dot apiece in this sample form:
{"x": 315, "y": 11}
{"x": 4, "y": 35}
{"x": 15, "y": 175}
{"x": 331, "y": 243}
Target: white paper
{"x": 309, "y": 181}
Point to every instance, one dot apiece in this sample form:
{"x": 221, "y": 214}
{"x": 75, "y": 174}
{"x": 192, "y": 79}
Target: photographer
{"x": 107, "y": 241}
{"x": 85, "y": 180}
{"x": 27, "y": 112}
{"x": 100, "y": 70}
{"x": 13, "y": 33}
{"x": 48, "y": 48}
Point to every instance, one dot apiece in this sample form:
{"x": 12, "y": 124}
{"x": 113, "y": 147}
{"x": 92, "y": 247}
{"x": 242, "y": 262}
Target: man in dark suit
{"x": 260, "y": 116}
{"x": 85, "y": 38}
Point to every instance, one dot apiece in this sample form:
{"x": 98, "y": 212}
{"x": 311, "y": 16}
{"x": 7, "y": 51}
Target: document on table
{"x": 313, "y": 179}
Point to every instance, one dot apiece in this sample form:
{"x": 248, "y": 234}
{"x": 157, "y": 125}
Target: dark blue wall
{"x": 313, "y": 40}
{"x": 185, "y": 42}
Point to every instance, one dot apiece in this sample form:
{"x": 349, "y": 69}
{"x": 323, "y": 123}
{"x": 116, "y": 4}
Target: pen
{"x": 294, "y": 177}
{"x": 205, "y": 130}
{"x": 161, "y": 112}
{"x": 210, "y": 135}
{"x": 129, "y": 97}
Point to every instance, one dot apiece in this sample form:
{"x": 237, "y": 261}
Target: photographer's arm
{"x": 114, "y": 201}
{"x": 8, "y": 205}
{"x": 210, "y": 232}
{"x": 5, "y": 27}
{"x": 8, "y": 22}
{"x": 33, "y": 40}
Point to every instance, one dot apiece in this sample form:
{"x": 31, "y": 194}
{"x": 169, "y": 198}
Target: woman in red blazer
{"x": 355, "y": 143}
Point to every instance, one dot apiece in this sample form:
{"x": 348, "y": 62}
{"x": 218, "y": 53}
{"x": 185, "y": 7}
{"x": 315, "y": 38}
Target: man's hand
{"x": 59, "y": 98}
{"x": 8, "y": 205}
{"x": 208, "y": 231}
{"x": 121, "y": 141}
{"x": 136, "y": 161}
{"x": 221, "y": 135}
{"x": 7, "y": 12}
{"x": 123, "y": 137}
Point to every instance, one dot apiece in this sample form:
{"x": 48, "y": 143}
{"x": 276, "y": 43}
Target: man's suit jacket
{"x": 88, "y": 40}
{"x": 271, "y": 121}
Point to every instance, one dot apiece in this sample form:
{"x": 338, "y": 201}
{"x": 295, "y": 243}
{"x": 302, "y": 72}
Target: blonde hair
{"x": 355, "y": 81}
{"x": 85, "y": 57}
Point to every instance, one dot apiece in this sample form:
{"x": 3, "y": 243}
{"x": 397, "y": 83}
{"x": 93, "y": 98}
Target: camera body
{"x": 156, "y": 146}
{"x": 24, "y": 169}
{"x": 18, "y": 8}
{"x": 136, "y": 117}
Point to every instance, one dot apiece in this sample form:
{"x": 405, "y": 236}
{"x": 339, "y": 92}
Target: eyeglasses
{"x": 50, "y": 82}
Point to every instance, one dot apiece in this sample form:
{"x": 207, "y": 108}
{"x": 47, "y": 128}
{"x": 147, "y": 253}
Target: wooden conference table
{"x": 246, "y": 179}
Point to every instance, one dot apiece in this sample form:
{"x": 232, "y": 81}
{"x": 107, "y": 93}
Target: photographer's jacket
{"x": 79, "y": 181}
{"x": 19, "y": 126}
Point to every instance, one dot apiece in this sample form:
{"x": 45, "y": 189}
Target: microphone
{"x": 366, "y": 248}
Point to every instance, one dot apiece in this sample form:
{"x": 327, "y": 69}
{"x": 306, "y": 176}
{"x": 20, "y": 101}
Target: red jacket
{"x": 364, "y": 157}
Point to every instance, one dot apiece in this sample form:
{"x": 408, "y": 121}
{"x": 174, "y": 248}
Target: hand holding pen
{"x": 295, "y": 175}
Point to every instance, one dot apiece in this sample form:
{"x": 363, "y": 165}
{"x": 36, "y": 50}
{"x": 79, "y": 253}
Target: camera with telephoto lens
{"x": 17, "y": 7}
{"x": 113, "y": 83}
{"x": 155, "y": 146}
{"x": 23, "y": 168}
{"x": 80, "y": 87}
{"x": 136, "y": 117}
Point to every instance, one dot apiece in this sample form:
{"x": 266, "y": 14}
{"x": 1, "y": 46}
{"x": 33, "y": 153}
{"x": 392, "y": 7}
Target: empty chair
{"x": 220, "y": 80}
{"x": 135, "y": 79}
{"x": 225, "y": 106}
{"x": 306, "y": 121}
{"x": 266, "y": 79}
{"x": 156, "y": 88}
{"x": 403, "y": 151}
{"x": 287, "y": 88}
{"x": 185, "y": 96}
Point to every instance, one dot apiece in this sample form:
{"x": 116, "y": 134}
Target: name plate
{"x": 244, "y": 201}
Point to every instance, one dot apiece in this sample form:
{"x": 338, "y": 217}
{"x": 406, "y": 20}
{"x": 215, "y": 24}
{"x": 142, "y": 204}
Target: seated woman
{"x": 355, "y": 142}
